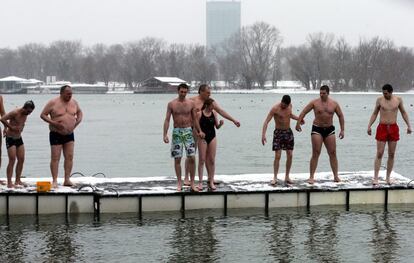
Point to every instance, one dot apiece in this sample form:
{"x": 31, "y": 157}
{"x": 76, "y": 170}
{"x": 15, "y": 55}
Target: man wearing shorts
{"x": 14, "y": 122}
{"x": 63, "y": 115}
{"x": 282, "y": 136}
{"x": 387, "y": 130}
{"x": 323, "y": 131}
{"x": 183, "y": 112}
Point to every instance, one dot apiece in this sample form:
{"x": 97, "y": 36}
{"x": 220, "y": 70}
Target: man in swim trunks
{"x": 387, "y": 131}
{"x": 323, "y": 131}
{"x": 63, "y": 115}
{"x": 204, "y": 93}
{"x": 184, "y": 113}
{"x": 14, "y": 123}
{"x": 282, "y": 136}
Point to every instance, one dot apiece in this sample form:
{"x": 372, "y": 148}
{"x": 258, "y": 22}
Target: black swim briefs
{"x": 10, "y": 141}
{"x": 323, "y": 131}
{"x": 60, "y": 139}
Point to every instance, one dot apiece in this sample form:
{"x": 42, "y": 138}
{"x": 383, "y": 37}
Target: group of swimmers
{"x": 196, "y": 119}
{"x": 63, "y": 115}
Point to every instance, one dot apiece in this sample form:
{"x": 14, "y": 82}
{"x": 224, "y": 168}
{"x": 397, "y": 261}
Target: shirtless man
{"x": 14, "y": 123}
{"x": 387, "y": 130}
{"x": 184, "y": 116}
{"x": 63, "y": 115}
{"x": 204, "y": 93}
{"x": 323, "y": 131}
{"x": 282, "y": 136}
{"x": 2, "y": 112}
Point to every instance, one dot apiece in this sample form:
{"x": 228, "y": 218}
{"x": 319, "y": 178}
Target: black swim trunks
{"x": 283, "y": 140}
{"x": 59, "y": 139}
{"x": 10, "y": 141}
{"x": 323, "y": 131}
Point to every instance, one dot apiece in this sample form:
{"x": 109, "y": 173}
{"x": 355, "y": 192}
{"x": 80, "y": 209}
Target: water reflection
{"x": 11, "y": 245}
{"x": 322, "y": 239}
{"x": 281, "y": 238}
{"x": 194, "y": 240}
{"x": 384, "y": 239}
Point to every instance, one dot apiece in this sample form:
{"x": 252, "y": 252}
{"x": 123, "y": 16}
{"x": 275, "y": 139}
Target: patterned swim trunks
{"x": 283, "y": 140}
{"x": 182, "y": 138}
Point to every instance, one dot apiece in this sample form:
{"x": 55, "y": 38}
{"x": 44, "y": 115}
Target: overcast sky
{"x": 183, "y": 21}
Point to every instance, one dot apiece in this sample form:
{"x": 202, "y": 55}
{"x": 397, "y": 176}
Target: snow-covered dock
{"x": 150, "y": 194}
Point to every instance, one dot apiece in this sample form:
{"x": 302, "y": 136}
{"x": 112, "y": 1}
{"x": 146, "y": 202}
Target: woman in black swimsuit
{"x": 207, "y": 118}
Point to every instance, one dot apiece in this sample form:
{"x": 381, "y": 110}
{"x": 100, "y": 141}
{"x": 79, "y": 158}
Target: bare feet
{"x": 20, "y": 183}
{"x": 337, "y": 179}
{"x": 200, "y": 186}
{"x": 375, "y": 182}
{"x": 215, "y": 182}
{"x": 55, "y": 185}
{"x": 187, "y": 182}
{"x": 2, "y": 182}
{"x": 194, "y": 189}
{"x": 179, "y": 187}
{"x": 273, "y": 182}
{"x": 68, "y": 183}
{"x": 10, "y": 185}
{"x": 212, "y": 187}
{"x": 310, "y": 181}
{"x": 390, "y": 181}
{"x": 288, "y": 181}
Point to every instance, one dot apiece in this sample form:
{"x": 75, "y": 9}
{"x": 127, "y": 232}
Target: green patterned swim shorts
{"x": 182, "y": 138}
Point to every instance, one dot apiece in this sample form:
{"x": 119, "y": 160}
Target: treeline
{"x": 249, "y": 59}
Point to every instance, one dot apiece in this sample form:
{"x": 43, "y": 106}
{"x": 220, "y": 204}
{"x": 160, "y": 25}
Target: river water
{"x": 121, "y": 136}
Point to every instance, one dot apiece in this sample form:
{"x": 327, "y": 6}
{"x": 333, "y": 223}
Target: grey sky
{"x": 183, "y": 21}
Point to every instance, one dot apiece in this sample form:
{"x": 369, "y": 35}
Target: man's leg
{"x": 317, "y": 141}
{"x": 278, "y": 154}
{"x": 392, "y": 146}
{"x": 56, "y": 151}
{"x": 68, "y": 149}
{"x": 289, "y": 157}
{"x": 177, "y": 167}
{"x": 186, "y": 172}
{"x": 20, "y": 152}
{"x": 330, "y": 144}
{"x": 211, "y": 162}
{"x": 11, "y": 152}
{"x": 378, "y": 158}
{"x": 191, "y": 168}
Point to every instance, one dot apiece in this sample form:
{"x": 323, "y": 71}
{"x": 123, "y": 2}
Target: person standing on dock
{"x": 204, "y": 93}
{"x": 323, "y": 131}
{"x": 14, "y": 122}
{"x": 283, "y": 138}
{"x": 387, "y": 130}
{"x": 63, "y": 115}
{"x": 2, "y": 112}
{"x": 184, "y": 116}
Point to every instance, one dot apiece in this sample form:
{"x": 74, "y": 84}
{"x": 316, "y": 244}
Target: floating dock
{"x": 157, "y": 194}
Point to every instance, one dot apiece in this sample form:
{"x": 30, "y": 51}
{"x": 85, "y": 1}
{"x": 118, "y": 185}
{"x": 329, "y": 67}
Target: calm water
{"x": 121, "y": 136}
{"x": 324, "y": 235}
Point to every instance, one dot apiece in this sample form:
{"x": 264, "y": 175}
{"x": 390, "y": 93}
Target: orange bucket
{"x": 43, "y": 187}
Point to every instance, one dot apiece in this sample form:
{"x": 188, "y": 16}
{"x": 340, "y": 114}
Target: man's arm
{"x": 2, "y": 111}
{"x": 302, "y": 115}
{"x": 217, "y": 123}
{"x": 5, "y": 120}
{"x": 373, "y": 116}
{"x": 341, "y": 117}
{"x": 167, "y": 123}
{"x": 225, "y": 114}
{"x": 196, "y": 122}
{"x": 404, "y": 115}
{"x": 79, "y": 115}
{"x": 44, "y": 115}
{"x": 266, "y": 123}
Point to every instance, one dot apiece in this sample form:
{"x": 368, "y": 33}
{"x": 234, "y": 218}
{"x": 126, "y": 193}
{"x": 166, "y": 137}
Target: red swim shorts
{"x": 387, "y": 132}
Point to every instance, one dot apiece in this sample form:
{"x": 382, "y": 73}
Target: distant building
{"x": 160, "y": 85}
{"x": 16, "y": 85}
{"x": 223, "y": 20}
